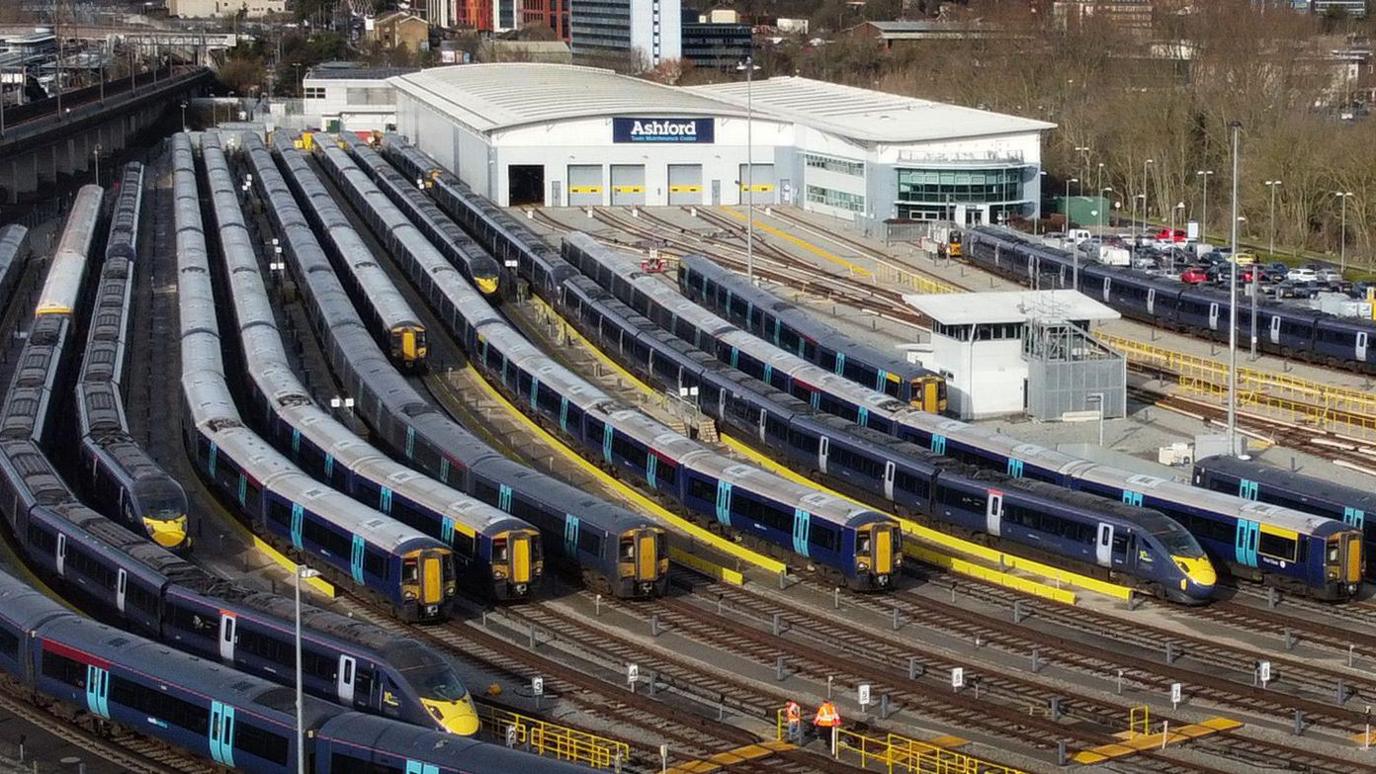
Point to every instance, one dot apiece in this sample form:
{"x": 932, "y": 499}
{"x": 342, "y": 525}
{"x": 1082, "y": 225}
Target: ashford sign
{"x": 663, "y": 130}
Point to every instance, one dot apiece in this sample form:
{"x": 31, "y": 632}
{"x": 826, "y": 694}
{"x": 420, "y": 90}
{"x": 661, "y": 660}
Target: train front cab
{"x": 642, "y": 563}
{"x": 954, "y": 246}
{"x": 929, "y": 393}
{"x": 518, "y": 561}
{"x": 878, "y": 556}
{"x": 428, "y": 585}
{"x": 409, "y": 346}
{"x": 1342, "y": 565}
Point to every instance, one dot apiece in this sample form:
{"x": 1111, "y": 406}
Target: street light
{"x": 1084, "y": 149}
{"x": 1098, "y": 397}
{"x": 1177, "y": 217}
{"x": 183, "y": 115}
{"x": 1145, "y": 164}
{"x": 749, "y": 66}
{"x": 1204, "y": 218}
{"x": 303, "y": 573}
{"x": 1232, "y": 303}
{"x": 97, "y": 154}
{"x": 1041, "y": 197}
{"x": 1066, "y": 236}
{"x": 1342, "y": 234}
{"x": 1273, "y": 185}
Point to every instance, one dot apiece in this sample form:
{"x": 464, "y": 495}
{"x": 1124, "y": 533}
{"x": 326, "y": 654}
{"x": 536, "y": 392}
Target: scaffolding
{"x": 1068, "y": 370}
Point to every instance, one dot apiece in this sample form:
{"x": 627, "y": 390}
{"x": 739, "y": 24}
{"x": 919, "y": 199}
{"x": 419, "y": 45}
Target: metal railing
{"x": 897, "y": 754}
{"x": 549, "y": 739}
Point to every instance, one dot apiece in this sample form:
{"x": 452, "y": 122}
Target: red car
{"x": 1194, "y": 275}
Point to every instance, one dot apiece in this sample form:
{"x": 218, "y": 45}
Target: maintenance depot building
{"x": 563, "y": 136}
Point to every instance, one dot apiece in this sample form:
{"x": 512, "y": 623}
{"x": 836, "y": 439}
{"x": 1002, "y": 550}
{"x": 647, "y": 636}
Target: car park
{"x": 1292, "y": 288}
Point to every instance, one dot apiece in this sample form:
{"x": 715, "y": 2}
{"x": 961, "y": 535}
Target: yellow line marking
{"x": 820, "y": 252}
{"x": 321, "y": 585}
{"x": 639, "y": 500}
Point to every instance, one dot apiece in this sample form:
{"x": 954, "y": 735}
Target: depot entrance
{"x": 525, "y": 184}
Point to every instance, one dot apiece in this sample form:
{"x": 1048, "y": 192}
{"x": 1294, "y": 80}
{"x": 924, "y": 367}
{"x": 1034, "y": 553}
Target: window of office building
{"x": 960, "y": 186}
{"x": 838, "y": 199}
{"x": 834, "y": 164}
{"x": 369, "y": 96}
{"x": 314, "y": 92}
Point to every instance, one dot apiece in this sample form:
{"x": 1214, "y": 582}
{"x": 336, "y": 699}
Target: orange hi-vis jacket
{"x": 793, "y": 713}
{"x": 827, "y": 717}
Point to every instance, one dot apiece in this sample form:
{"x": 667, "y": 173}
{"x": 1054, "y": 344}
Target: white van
{"x": 1077, "y": 235}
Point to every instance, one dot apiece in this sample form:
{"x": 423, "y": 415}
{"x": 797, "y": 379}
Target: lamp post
{"x": 1232, "y": 303}
{"x": 1084, "y": 150}
{"x": 1145, "y": 164}
{"x": 1099, "y": 183}
{"x": 97, "y": 156}
{"x": 303, "y": 573}
{"x": 1041, "y": 184}
{"x": 2, "y": 99}
{"x": 183, "y": 115}
{"x": 1342, "y": 232}
{"x": 1067, "y": 208}
{"x": 1204, "y": 217}
{"x": 1177, "y": 217}
{"x": 1271, "y": 251}
{"x": 749, "y": 66}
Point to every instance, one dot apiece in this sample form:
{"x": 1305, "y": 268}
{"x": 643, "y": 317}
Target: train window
{"x": 341, "y": 763}
{"x": 9, "y": 644}
{"x": 749, "y": 506}
{"x": 279, "y": 511}
{"x": 64, "y": 670}
{"x": 410, "y": 574}
{"x": 862, "y": 544}
{"x": 164, "y": 706}
{"x": 375, "y": 563}
{"x": 1277, "y": 546}
{"x": 800, "y": 440}
{"x": 666, "y": 473}
{"x": 258, "y": 742}
{"x": 824, "y": 537}
{"x": 629, "y": 450}
{"x": 702, "y": 490}
{"x": 590, "y": 542}
{"x": 41, "y": 540}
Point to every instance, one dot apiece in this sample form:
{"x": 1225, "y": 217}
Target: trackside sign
{"x": 701, "y": 130}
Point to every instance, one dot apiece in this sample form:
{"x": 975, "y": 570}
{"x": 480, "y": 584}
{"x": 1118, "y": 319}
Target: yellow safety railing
{"x": 1139, "y": 717}
{"x": 555, "y": 741}
{"x": 1285, "y": 396}
{"x": 890, "y": 276}
{"x": 897, "y": 753}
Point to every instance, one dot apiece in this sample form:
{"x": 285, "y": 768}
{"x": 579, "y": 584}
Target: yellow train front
{"x": 642, "y": 562}
{"x": 954, "y": 244}
{"x": 409, "y": 346}
{"x": 878, "y": 554}
{"x": 517, "y": 561}
{"x": 428, "y": 585}
{"x": 929, "y": 393}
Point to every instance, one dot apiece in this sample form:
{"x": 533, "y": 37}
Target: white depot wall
{"x": 589, "y": 141}
{"x": 456, "y": 147}
{"x": 986, "y": 378}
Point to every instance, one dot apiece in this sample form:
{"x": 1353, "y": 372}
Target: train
{"x": 861, "y": 547}
{"x": 399, "y": 330}
{"x": 110, "y": 677}
{"x": 404, "y": 568}
{"x": 14, "y": 246}
{"x": 477, "y": 266}
{"x": 614, "y": 550}
{"x": 117, "y": 472}
{"x": 130, "y": 580}
{"x": 1285, "y": 330}
{"x": 496, "y": 555}
{"x": 804, "y": 334}
{"x": 1156, "y": 556}
{"x": 1255, "y": 480}
{"x": 1219, "y": 523}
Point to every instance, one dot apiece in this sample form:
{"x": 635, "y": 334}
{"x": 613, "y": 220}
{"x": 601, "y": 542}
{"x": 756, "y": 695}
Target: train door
{"x": 61, "y": 555}
{"x": 1275, "y": 329}
{"x": 1361, "y": 346}
{"x": 521, "y": 558}
{"x": 1103, "y": 547}
{"x": 432, "y": 579}
{"x": 121, "y": 585}
{"x": 823, "y": 448}
{"x": 228, "y": 623}
{"x": 1213, "y": 316}
{"x": 1352, "y": 545}
{"x": 760, "y": 426}
{"x": 221, "y": 733}
{"x": 344, "y": 681}
{"x": 993, "y": 513}
{"x": 1151, "y": 300}
{"x": 889, "y": 469}
{"x": 646, "y": 555}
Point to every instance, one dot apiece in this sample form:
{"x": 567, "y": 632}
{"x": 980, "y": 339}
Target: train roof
{"x": 62, "y": 286}
{"x": 1303, "y": 484}
{"x": 25, "y": 607}
{"x": 447, "y": 750}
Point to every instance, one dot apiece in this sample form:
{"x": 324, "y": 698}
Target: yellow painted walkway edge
{"x": 641, "y": 501}
{"x": 958, "y": 545}
{"x": 321, "y": 585}
{"x": 989, "y": 575}
{"x": 820, "y": 252}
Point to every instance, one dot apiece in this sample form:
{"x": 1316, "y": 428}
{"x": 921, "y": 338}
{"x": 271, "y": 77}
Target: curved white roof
{"x": 487, "y": 97}
{"x": 867, "y": 115}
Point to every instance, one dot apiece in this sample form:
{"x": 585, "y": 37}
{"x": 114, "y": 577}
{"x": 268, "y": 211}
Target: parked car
{"x": 1302, "y": 274}
{"x": 1328, "y": 274}
{"x": 1245, "y": 259}
{"x": 1293, "y": 288}
{"x": 1194, "y": 275}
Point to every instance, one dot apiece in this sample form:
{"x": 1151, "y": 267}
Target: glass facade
{"x": 840, "y": 199}
{"x": 834, "y": 164}
{"x": 934, "y": 193}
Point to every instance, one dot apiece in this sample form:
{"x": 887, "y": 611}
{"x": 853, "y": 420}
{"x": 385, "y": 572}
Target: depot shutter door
{"x": 763, "y": 181}
{"x": 628, "y": 184}
{"x": 685, "y": 184}
{"x": 585, "y": 185}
